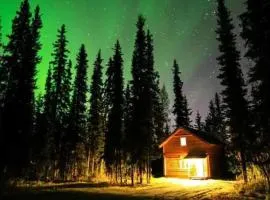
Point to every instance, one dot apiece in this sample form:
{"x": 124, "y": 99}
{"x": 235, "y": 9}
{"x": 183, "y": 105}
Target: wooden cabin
{"x": 189, "y": 153}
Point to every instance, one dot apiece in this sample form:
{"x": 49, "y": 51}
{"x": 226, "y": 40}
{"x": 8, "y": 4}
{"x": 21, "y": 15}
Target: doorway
{"x": 197, "y": 167}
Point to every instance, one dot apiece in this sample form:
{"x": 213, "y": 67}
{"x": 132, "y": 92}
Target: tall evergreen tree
{"x": 64, "y": 121}
{"x": 165, "y": 102}
{"x": 128, "y": 111}
{"x": 108, "y": 87}
{"x": 144, "y": 91}
{"x": 114, "y": 133}
{"x": 36, "y": 25}
{"x": 256, "y": 33}
{"x": 232, "y": 79}
{"x": 19, "y": 61}
{"x": 187, "y": 112}
{"x": 44, "y": 127}
{"x": 215, "y": 123}
{"x": 61, "y": 78}
{"x": 48, "y": 95}
{"x": 156, "y": 107}
{"x": 198, "y": 121}
{"x": 77, "y": 119}
{"x": 64, "y": 126}
{"x": 210, "y": 119}
{"x": 255, "y": 23}
{"x": 95, "y": 121}
{"x": 138, "y": 66}
{"x": 77, "y": 123}
{"x": 155, "y": 118}
{"x": 39, "y": 140}
{"x": 178, "y": 107}
{"x": 220, "y": 120}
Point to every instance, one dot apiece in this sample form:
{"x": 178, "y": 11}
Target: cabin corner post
{"x": 164, "y": 161}
{"x": 209, "y": 168}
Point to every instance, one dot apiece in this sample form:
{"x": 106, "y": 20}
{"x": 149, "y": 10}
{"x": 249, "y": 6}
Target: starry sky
{"x": 182, "y": 29}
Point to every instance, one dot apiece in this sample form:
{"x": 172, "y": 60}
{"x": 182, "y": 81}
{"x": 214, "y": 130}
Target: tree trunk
{"x": 120, "y": 172}
{"x": 148, "y": 169}
{"x": 141, "y": 174}
{"x": 92, "y": 165}
{"x": 88, "y": 163}
{"x": 132, "y": 175}
{"x": 244, "y": 165}
{"x": 116, "y": 172}
{"x": 54, "y": 170}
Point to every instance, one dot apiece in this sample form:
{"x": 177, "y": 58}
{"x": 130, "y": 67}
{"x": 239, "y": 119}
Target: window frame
{"x": 183, "y": 164}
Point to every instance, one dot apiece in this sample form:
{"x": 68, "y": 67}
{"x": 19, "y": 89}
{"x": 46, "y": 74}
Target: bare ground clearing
{"x": 159, "y": 189}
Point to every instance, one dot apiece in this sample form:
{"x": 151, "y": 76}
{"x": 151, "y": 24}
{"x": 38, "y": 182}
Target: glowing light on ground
{"x": 186, "y": 182}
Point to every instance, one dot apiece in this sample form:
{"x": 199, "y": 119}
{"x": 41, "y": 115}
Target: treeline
{"x": 77, "y": 130}
{"x": 242, "y": 119}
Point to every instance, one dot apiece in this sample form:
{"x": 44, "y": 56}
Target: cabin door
{"x": 197, "y": 167}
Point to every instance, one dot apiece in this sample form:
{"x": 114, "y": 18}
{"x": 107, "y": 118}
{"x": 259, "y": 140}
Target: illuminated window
{"x": 183, "y": 141}
{"x": 183, "y": 164}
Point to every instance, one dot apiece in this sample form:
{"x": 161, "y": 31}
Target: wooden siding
{"x": 173, "y": 152}
{"x": 173, "y": 168}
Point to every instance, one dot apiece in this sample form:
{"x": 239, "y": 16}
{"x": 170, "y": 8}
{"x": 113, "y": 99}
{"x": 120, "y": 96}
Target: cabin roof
{"x": 207, "y": 137}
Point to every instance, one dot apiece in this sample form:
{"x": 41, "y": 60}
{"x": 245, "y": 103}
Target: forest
{"x": 110, "y": 128}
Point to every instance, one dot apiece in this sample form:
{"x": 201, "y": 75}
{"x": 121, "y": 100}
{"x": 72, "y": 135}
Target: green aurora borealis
{"x": 182, "y": 29}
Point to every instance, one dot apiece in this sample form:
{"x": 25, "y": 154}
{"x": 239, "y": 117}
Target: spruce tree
{"x": 128, "y": 111}
{"x": 255, "y": 24}
{"x": 19, "y": 61}
{"x": 155, "y": 119}
{"x": 61, "y": 78}
{"x": 108, "y": 87}
{"x": 187, "y": 112}
{"x": 157, "y": 112}
{"x": 178, "y": 107}
{"x": 59, "y": 63}
{"x": 95, "y": 135}
{"x": 210, "y": 119}
{"x": 256, "y": 33}
{"x": 64, "y": 112}
{"x": 215, "y": 122}
{"x": 77, "y": 123}
{"x": 219, "y": 121}
{"x": 232, "y": 79}
{"x": 36, "y": 25}
{"x": 77, "y": 118}
{"x": 137, "y": 136}
{"x": 165, "y": 102}
{"x": 39, "y": 139}
{"x": 115, "y": 126}
{"x": 45, "y": 125}
{"x": 144, "y": 90}
{"x": 198, "y": 121}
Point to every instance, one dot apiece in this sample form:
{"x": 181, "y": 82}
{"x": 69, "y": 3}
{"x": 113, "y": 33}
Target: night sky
{"x": 182, "y": 29}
